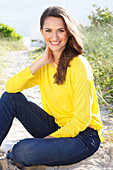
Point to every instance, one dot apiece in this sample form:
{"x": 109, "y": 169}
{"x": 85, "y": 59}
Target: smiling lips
{"x": 55, "y": 43}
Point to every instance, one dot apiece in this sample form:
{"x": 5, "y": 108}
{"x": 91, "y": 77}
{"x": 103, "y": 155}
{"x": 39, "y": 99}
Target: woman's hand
{"x": 47, "y": 57}
{"x": 48, "y": 137}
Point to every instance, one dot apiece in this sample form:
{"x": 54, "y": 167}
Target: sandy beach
{"x": 12, "y": 63}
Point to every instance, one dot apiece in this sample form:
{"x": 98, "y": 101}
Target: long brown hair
{"x": 74, "y": 45}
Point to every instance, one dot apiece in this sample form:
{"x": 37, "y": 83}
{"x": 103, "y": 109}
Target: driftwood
{"x": 7, "y": 164}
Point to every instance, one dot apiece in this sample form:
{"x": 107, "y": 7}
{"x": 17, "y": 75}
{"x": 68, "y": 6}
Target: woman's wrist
{"x": 48, "y": 137}
{"x": 44, "y": 61}
{"x": 37, "y": 65}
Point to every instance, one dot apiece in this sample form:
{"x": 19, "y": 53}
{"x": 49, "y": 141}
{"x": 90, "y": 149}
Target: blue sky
{"x": 24, "y": 15}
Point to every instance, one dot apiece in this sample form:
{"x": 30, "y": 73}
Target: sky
{"x": 24, "y": 15}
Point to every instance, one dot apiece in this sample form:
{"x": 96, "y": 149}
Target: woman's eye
{"x": 48, "y": 30}
{"x": 61, "y": 30}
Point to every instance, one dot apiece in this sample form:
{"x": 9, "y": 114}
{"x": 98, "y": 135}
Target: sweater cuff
{"x": 25, "y": 74}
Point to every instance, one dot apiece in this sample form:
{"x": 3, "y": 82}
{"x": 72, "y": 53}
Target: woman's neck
{"x": 56, "y": 57}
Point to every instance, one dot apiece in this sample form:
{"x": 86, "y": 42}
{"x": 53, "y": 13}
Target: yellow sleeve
{"x": 22, "y": 80}
{"x": 82, "y": 102}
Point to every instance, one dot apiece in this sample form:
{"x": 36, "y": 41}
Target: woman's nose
{"x": 54, "y": 36}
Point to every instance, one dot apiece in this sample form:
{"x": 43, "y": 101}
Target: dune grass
{"x": 7, "y": 46}
{"x": 98, "y": 49}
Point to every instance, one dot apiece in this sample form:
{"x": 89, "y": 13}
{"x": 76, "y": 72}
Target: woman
{"x": 68, "y": 129}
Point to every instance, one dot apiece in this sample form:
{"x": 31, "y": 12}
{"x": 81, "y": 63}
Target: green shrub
{"x": 101, "y": 16}
{"x": 8, "y": 33}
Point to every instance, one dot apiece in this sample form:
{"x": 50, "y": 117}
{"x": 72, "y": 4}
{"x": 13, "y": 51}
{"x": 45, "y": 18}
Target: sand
{"x": 101, "y": 160}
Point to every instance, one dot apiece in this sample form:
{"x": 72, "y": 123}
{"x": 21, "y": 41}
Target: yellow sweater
{"x": 73, "y": 104}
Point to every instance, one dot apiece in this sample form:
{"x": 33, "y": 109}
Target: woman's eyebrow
{"x": 57, "y": 28}
{"x": 47, "y": 28}
{"x": 62, "y": 28}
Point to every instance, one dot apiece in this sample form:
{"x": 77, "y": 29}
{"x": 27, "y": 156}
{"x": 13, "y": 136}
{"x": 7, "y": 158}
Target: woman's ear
{"x": 68, "y": 34}
{"x": 41, "y": 30}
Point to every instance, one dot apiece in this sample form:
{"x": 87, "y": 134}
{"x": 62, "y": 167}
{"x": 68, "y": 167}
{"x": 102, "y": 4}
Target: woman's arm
{"x": 47, "y": 58}
{"x": 28, "y": 77}
{"x": 22, "y": 80}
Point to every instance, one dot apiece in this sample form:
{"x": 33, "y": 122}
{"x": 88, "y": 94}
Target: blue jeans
{"x": 39, "y": 151}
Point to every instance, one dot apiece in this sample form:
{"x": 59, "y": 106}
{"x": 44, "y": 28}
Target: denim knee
{"x": 20, "y": 153}
{"x": 6, "y": 95}
{"x": 17, "y": 153}
{"x": 13, "y": 97}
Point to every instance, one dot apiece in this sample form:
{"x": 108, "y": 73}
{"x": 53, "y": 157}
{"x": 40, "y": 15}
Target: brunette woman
{"x": 67, "y": 129}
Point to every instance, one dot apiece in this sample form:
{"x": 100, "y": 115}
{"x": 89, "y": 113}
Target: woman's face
{"x": 55, "y": 34}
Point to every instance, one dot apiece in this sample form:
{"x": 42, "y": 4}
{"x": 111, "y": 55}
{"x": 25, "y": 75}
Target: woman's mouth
{"x": 55, "y": 42}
